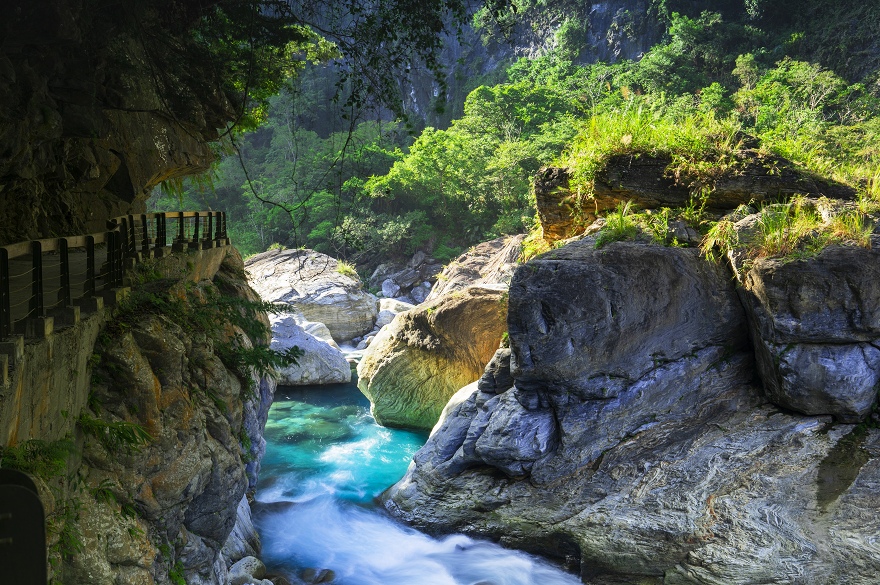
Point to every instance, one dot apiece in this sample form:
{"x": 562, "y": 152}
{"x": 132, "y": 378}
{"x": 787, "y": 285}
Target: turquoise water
{"x": 326, "y": 460}
{"x": 321, "y": 440}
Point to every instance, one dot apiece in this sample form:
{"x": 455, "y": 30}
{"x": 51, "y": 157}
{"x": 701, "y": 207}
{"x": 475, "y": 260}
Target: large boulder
{"x": 426, "y": 354}
{"x": 595, "y": 321}
{"x": 633, "y": 444}
{"x": 488, "y": 263}
{"x": 816, "y": 330}
{"x": 313, "y": 285}
{"x": 320, "y": 362}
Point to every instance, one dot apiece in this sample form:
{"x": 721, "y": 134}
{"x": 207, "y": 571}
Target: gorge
{"x": 615, "y": 306}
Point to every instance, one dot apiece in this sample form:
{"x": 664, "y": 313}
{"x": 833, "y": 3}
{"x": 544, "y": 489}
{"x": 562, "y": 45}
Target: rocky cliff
{"x": 172, "y": 362}
{"x": 145, "y": 433}
{"x": 637, "y": 439}
{"x": 90, "y": 116}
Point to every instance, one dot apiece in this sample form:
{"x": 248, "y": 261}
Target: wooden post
{"x": 161, "y": 231}
{"x": 5, "y": 301}
{"x": 89, "y": 286}
{"x": 123, "y": 235}
{"x": 195, "y": 237}
{"x": 145, "y": 236}
{"x": 132, "y": 238}
{"x": 119, "y": 268}
{"x": 209, "y": 231}
{"x": 112, "y": 259}
{"x": 181, "y": 230}
{"x": 37, "y": 308}
{"x": 65, "y": 300}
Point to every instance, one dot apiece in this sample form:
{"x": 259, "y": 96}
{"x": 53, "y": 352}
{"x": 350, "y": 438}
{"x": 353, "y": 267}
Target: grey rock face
{"x": 406, "y": 277}
{"x": 381, "y": 272}
{"x": 497, "y": 378}
{"x": 411, "y": 281}
{"x": 591, "y": 321}
{"x": 635, "y": 447}
{"x": 244, "y": 540}
{"x": 815, "y": 326}
{"x": 390, "y": 288}
{"x": 311, "y": 283}
{"x": 320, "y": 362}
{"x": 384, "y": 318}
{"x": 421, "y": 292}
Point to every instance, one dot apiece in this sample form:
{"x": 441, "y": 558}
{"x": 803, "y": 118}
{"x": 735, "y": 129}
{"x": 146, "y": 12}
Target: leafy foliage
{"x": 40, "y": 458}
{"x": 742, "y": 74}
{"x": 206, "y": 311}
{"x": 256, "y": 360}
{"x": 115, "y": 436}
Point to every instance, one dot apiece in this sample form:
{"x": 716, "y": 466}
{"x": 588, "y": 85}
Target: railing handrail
{"x": 19, "y": 249}
{"x": 129, "y": 239}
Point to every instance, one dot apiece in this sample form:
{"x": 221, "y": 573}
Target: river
{"x": 326, "y": 460}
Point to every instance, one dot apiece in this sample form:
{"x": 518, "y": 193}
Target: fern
{"x": 115, "y": 435}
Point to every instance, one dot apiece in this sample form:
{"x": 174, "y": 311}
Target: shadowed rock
{"x": 816, "y": 330}
{"x": 645, "y": 180}
{"x": 634, "y": 442}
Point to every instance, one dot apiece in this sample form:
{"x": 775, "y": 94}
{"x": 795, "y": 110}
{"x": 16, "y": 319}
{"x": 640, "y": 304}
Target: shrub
{"x": 794, "y": 231}
{"x": 39, "y": 458}
{"x": 346, "y": 269}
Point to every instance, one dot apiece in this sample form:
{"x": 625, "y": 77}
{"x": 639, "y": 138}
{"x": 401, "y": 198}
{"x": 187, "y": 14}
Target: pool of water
{"x": 326, "y": 460}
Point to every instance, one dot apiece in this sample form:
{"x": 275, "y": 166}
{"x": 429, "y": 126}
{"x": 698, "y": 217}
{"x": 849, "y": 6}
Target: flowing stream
{"x": 326, "y": 460}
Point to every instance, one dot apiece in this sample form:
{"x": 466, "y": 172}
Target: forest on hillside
{"x": 799, "y": 80}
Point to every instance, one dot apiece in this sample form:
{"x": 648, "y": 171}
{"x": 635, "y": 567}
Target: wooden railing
{"x": 42, "y": 277}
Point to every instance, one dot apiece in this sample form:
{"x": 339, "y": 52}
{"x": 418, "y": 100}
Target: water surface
{"x": 326, "y": 460}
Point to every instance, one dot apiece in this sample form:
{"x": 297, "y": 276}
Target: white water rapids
{"x": 326, "y": 460}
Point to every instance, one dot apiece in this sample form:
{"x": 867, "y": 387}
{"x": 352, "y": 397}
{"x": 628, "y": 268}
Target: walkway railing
{"x": 48, "y": 277}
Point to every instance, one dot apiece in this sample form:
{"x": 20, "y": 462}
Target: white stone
{"x": 320, "y": 363}
{"x": 384, "y": 318}
{"x": 394, "y": 305}
{"x": 247, "y": 570}
{"x": 311, "y": 283}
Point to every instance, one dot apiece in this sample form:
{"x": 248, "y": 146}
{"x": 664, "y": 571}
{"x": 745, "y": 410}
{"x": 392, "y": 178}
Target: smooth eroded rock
{"x": 426, "y": 354}
{"x": 320, "y": 363}
{"x": 310, "y": 282}
{"x": 816, "y": 330}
